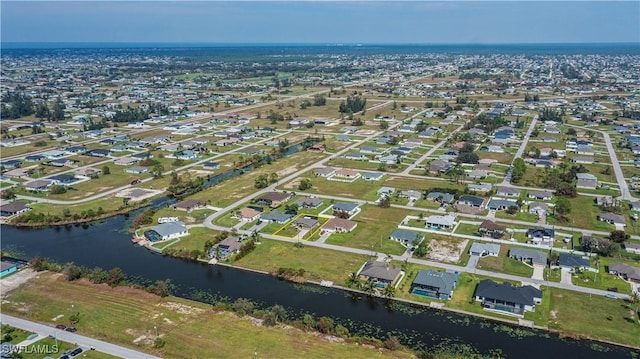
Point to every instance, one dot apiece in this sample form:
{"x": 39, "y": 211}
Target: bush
{"x": 158, "y": 343}
{"x": 243, "y": 306}
{"x": 392, "y": 343}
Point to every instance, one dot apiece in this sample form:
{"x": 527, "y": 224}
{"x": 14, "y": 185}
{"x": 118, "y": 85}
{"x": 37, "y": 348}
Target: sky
{"x": 323, "y": 22}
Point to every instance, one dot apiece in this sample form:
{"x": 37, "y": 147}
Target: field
{"x": 121, "y": 315}
{"x": 319, "y": 264}
{"x": 503, "y": 264}
{"x": 593, "y": 316}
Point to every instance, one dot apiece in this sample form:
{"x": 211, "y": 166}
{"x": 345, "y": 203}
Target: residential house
{"x": 540, "y": 195}
{"x": 434, "y": 284}
{"x": 276, "y": 217}
{"x": 372, "y": 176}
{"x": 165, "y": 231}
{"x": 211, "y": 165}
{"x": 506, "y": 298}
{"x": 491, "y": 229}
{"x": 632, "y": 247}
{"x": 497, "y": 204}
{"x": 471, "y": 201}
{"x": 247, "y": 214}
{"x": 346, "y": 173}
{"x": 440, "y": 222}
{"x": 136, "y": 170}
{"x": 507, "y": 191}
{"x": 477, "y": 174}
{"x": 381, "y": 273}
{"x": 480, "y": 187}
{"x": 347, "y": 207}
{"x": 76, "y": 150}
{"x": 539, "y": 208}
{"x": 385, "y": 191}
{"x": 88, "y": 172}
{"x": 34, "y": 158}
{"x": 411, "y": 194}
{"x": 541, "y": 236}
{"x": 305, "y": 222}
{"x": 625, "y": 271}
{"x": 125, "y": 161}
{"x": 587, "y": 160}
{"x": 98, "y": 153}
{"x": 357, "y": 156}
{"x": 308, "y": 202}
{"x": 570, "y": 262}
{"x": 273, "y": 199}
{"x": 440, "y": 197}
{"x": 226, "y": 248}
{"x": 482, "y": 249}
{"x": 405, "y": 237}
{"x": 612, "y": 218}
{"x": 62, "y": 179}
{"x": 339, "y": 225}
{"x": 438, "y": 166}
{"x": 189, "y": 205}
{"x": 528, "y": 255}
{"x": 325, "y": 172}
{"x": 13, "y": 208}
{"x": 38, "y": 185}
{"x": 635, "y": 206}
{"x": 586, "y": 180}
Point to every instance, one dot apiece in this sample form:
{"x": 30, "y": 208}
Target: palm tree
{"x": 635, "y": 299}
{"x": 368, "y": 287}
{"x": 389, "y": 291}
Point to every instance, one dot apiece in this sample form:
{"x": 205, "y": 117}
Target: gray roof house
{"x": 541, "y": 235}
{"x": 484, "y": 249}
{"x": 434, "y": 284}
{"x": 506, "y": 298}
{"x": 497, "y": 204}
{"x": 276, "y": 217}
{"x": 507, "y": 191}
{"x": 406, "y": 237}
{"x": 308, "y": 202}
{"x": 612, "y": 218}
{"x": 38, "y": 185}
{"x": 166, "y": 231}
{"x": 528, "y": 255}
{"x": 441, "y": 222}
{"x": 372, "y": 176}
{"x": 480, "y": 187}
{"x": 472, "y": 201}
{"x": 570, "y": 261}
{"x": 625, "y": 271}
{"x": 225, "y": 248}
{"x": 441, "y": 197}
{"x": 348, "y": 207}
{"x": 539, "y": 208}
{"x": 379, "y": 272}
{"x": 540, "y": 195}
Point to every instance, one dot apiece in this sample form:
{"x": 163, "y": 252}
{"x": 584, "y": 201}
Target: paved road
{"x": 523, "y": 146}
{"x": 78, "y": 339}
{"x": 622, "y": 183}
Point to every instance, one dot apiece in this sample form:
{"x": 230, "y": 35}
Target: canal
{"x": 108, "y": 244}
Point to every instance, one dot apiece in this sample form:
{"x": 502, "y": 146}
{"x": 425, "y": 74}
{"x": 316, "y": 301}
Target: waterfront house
{"x": 225, "y": 248}
{"x": 189, "y": 205}
{"x": 381, "y": 273}
{"x": 434, "y": 284}
{"x": 13, "y": 208}
{"x": 165, "y": 231}
{"x": 506, "y": 298}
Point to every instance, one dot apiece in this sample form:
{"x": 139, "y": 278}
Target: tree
{"x": 115, "y": 277}
{"x": 563, "y": 206}
{"x": 618, "y": 236}
{"x": 74, "y": 318}
{"x": 392, "y": 343}
{"x": 243, "y": 306}
{"x": 325, "y": 325}
{"x": 262, "y": 181}
{"x": 273, "y": 177}
{"x": 279, "y": 312}
{"x": 305, "y": 184}
{"x": 389, "y": 291}
{"x": 71, "y": 272}
{"x": 106, "y": 170}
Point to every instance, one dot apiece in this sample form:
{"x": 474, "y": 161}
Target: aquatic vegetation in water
{"x": 307, "y": 288}
{"x": 514, "y": 332}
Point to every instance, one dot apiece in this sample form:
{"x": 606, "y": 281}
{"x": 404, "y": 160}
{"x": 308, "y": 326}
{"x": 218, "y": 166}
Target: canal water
{"x": 107, "y": 245}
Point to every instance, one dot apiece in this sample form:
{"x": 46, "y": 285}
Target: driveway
{"x": 473, "y": 261}
{"x": 538, "y": 272}
{"x": 565, "y": 277}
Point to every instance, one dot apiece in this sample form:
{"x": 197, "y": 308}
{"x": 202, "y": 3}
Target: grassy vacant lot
{"x": 583, "y": 214}
{"x": 374, "y": 227}
{"x": 503, "y": 264}
{"x": 229, "y": 191}
{"x": 196, "y": 239}
{"x": 594, "y": 316}
{"x": 463, "y": 296}
{"x": 120, "y": 315}
{"x": 319, "y": 264}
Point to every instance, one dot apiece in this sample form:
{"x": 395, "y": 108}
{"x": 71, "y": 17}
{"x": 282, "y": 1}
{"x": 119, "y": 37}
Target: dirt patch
{"x": 463, "y": 208}
{"x": 199, "y": 172}
{"x": 289, "y": 170}
{"x": 181, "y": 308}
{"x": 15, "y": 280}
{"x": 446, "y": 250}
{"x": 293, "y": 184}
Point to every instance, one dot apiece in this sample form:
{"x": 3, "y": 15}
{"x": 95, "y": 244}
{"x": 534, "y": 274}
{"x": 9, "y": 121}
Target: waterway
{"x": 108, "y": 244}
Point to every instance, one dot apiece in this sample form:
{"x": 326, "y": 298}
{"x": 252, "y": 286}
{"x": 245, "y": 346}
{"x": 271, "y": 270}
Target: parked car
{"x": 135, "y": 181}
{"x": 71, "y": 329}
{"x": 61, "y": 326}
{"x": 75, "y": 352}
{"x": 613, "y": 289}
{"x": 609, "y": 295}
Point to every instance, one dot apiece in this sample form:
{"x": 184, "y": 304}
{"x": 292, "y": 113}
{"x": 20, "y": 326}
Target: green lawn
{"x": 319, "y": 264}
{"x": 196, "y": 239}
{"x": 164, "y": 244}
{"x": 503, "y": 264}
{"x": 17, "y": 335}
{"x": 375, "y": 224}
{"x": 518, "y": 216}
{"x": 31, "y": 352}
{"x": 594, "y": 316}
{"x": 463, "y": 296}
